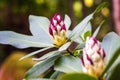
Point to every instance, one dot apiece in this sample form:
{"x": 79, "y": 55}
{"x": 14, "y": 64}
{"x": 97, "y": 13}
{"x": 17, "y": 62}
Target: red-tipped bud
{"x": 57, "y": 30}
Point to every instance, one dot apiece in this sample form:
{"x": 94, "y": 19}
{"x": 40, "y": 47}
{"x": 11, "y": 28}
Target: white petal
{"x": 33, "y": 53}
{"x": 79, "y": 29}
{"x": 20, "y": 40}
{"x": 65, "y": 46}
{"x": 67, "y": 21}
{"x": 39, "y": 27}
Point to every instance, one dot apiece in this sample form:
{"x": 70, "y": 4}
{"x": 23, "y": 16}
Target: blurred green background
{"x": 14, "y": 16}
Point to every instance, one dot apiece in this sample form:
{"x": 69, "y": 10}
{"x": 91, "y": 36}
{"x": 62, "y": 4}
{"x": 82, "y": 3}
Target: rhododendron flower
{"x": 40, "y": 28}
{"x": 93, "y": 58}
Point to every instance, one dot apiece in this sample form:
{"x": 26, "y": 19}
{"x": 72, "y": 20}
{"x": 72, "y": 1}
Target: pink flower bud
{"x": 93, "y": 58}
{"x": 56, "y": 24}
{"x": 57, "y": 30}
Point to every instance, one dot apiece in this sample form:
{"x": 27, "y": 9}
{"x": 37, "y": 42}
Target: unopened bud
{"x": 93, "y": 58}
{"x": 57, "y": 30}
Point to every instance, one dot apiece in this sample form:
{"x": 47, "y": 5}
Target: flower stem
{"x": 69, "y": 51}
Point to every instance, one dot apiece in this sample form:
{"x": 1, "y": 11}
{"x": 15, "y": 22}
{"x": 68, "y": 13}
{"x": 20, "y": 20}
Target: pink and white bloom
{"x": 42, "y": 29}
{"x": 45, "y": 34}
{"x": 93, "y": 59}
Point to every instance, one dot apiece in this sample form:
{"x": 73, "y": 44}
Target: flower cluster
{"x": 57, "y": 30}
{"x": 93, "y": 58}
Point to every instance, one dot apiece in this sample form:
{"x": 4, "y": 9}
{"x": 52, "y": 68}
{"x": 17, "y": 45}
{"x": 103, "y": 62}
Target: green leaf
{"x": 42, "y": 66}
{"x": 78, "y": 30}
{"x": 33, "y": 53}
{"x": 76, "y": 76}
{"x": 67, "y": 21}
{"x": 65, "y": 46}
{"x": 86, "y": 34}
{"x": 87, "y": 29}
{"x": 68, "y": 64}
{"x": 111, "y": 46}
{"x": 22, "y": 41}
{"x": 115, "y": 72}
{"x": 39, "y": 25}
